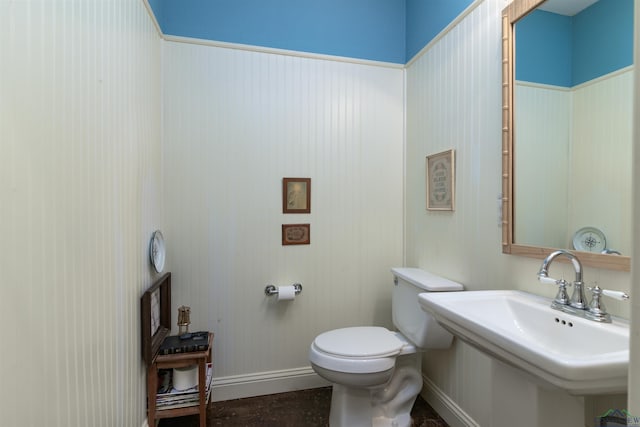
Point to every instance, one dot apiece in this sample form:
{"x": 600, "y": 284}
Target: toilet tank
{"x": 414, "y": 323}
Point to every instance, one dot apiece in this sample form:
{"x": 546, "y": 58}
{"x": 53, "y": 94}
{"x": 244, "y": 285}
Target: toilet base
{"x": 386, "y": 406}
{"x": 400, "y": 421}
{"x": 350, "y": 407}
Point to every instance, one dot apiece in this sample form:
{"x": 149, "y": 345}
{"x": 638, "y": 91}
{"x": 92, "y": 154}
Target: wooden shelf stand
{"x": 180, "y": 360}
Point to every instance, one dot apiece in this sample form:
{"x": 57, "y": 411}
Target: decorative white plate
{"x": 157, "y": 251}
{"x": 589, "y": 239}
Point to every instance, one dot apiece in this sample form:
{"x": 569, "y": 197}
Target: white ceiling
{"x": 566, "y": 7}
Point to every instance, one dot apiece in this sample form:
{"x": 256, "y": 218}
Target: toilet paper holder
{"x": 273, "y": 290}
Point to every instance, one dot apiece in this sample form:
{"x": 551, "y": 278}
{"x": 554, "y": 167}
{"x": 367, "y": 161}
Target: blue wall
{"x": 543, "y": 49}
{"x": 567, "y": 51}
{"x": 396, "y": 30}
{"x": 426, "y": 18}
{"x": 156, "y": 6}
{"x": 379, "y": 30}
{"x": 603, "y": 39}
{"x": 363, "y": 29}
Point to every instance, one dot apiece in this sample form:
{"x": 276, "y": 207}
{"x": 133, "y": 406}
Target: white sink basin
{"x": 575, "y": 354}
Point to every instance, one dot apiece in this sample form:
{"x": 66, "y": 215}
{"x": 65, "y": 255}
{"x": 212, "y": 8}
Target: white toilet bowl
{"x": 376, "y": 373}
{"x": 367, "y": 365}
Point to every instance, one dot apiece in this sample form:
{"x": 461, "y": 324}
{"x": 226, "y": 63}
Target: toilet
{"x": 376, "y": 373}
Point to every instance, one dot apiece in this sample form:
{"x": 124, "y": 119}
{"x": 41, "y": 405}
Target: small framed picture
{"x": 155, "y": 312}
{"x": 296, "y": 195}
{"x": 441, "y": 186}
{"x": 296, "y": 234}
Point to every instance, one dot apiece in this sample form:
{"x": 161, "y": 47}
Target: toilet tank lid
{"x": 428, "y": 281}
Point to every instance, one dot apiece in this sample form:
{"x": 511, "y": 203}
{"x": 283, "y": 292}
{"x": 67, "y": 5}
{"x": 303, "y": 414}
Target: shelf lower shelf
{"x": 178, "y": 412}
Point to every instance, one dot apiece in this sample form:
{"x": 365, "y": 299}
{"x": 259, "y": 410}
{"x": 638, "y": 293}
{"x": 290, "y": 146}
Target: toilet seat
{"x": 359, "y": 341}
{"x": 360, "y": 349}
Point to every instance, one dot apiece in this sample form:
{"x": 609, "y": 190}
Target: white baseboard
{"x": 272, "y": 382}
{"x": 261, "y": 383}
{"x": 445, "y": 406}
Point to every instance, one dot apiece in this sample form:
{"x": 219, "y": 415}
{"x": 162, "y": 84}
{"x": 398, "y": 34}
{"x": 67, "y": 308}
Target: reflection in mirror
{"x": 567, "y": 128}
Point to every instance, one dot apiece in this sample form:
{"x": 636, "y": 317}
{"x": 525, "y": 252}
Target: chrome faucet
{"x": 577, "y": 304}
{"x": 578, "y": 299}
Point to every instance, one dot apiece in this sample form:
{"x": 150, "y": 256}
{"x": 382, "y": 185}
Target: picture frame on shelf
{"x": 155, "y": 309}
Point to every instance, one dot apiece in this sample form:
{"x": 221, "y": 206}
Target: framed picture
{"x": 296, "y": 195}
{"x": 296, "y": 234}
{"x": 155, "y": 308}
{"x": 441, "y": 186}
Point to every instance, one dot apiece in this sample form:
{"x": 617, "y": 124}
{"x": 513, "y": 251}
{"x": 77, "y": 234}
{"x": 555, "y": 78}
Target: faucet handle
{"x": 597, "y": 310}
{"x": 552, "y": 281}
{"x": 619, "y": 295}
{"x": 547, "y": 280}
{"x": 562, "y": 297}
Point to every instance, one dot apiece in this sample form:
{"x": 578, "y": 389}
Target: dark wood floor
{"x": 305, "y": 408}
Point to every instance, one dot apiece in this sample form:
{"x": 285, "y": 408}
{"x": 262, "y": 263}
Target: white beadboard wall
{"x": 600, "y": 188}
{"x": 454, "y": 101}
{"x": 634, "y": 353}
{"x": 543, "y": 134}
{"x": 84, "y": 181}
{"x": 235, "y": 123}
{"x": 80, "y": 177}
{"x": 574, "y": 145}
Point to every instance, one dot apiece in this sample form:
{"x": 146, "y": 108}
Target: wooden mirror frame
{"x": 510, "y": 15}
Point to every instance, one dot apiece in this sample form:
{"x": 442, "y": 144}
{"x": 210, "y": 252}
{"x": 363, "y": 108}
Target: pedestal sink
{"x": 543, "y": 361}
{"x": 574, "y": 354}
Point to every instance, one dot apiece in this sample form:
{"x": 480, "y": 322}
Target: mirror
{"x": 567, "y": 129}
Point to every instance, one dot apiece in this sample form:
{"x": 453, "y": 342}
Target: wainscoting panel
{"x": 80, "y": 194}
{"x": 600, "y": 190}
{"x": 454, "y": 101}
{"x": 542, "y": 164}
{"x": 236, "y": 122}
{"x": 569, "y": 142}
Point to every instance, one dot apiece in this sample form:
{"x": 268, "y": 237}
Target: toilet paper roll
{"x": 286, "y": 293}
{"x": 185, "y": 378}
